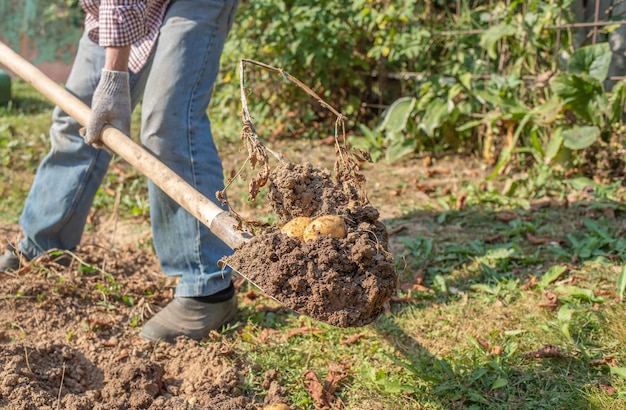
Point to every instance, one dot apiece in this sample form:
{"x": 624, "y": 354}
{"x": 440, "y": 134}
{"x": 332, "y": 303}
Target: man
{"x": 166, "y": 52}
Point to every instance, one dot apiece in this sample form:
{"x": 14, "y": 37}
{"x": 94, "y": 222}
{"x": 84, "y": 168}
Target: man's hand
{"x": 110, "y": 105}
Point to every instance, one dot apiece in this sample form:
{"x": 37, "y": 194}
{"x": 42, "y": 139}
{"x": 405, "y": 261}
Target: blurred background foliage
{"x": 510, "y": 82}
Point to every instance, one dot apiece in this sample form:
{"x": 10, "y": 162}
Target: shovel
{"x": 219, "y": 221}
{"x": 223, "y": 224}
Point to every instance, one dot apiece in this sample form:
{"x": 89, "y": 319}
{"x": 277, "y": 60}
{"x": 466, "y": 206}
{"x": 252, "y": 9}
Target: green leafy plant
{"x": 481, "y": 98}
{"x": 410, "y": 124}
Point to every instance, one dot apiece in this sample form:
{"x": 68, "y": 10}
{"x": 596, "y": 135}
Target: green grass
{"x": 468, "y": 342}
{"x": 23, "y": 128}
{"x": 493, "y": 290}
{"x": 24, "y": 125}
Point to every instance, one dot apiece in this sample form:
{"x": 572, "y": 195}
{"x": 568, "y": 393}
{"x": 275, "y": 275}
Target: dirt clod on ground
{"x": 343, "y": 282}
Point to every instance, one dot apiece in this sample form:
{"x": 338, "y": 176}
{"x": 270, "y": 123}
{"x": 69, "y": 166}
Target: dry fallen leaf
{"x": 336, "y": 374}
{"x": 251, "y": 295}
{"x": 351, "y": 339}
{"x": 316, "y": 390}
{"x": 98, "y": 323}
{"x": 546, "y": 352}
{"x": 541, "y": 241}
{"x": 266, "y": 335}
{"x": 387, "y": 307}
{"x": 425, "y": 188}
{"x": 497, "y": 238}
{"x": 460, "y": 201}
{"x": 394, "y": 231}
{"x": 421, "y": 288}
{"x": 324, "y": 394}
{"x": 484, "y": 344}
{"x": 542, "y": 204}
{"x": 604, "y": 361}
{"x": 608, "y": 389}
{"x": 305, "y": 330}
{"x": 553, "y": 300}
{"x": 506, "y": 216}
{"x": 530, "y": 284}
{"x": 437, "y": 171}
{"x": 609, "y": 213}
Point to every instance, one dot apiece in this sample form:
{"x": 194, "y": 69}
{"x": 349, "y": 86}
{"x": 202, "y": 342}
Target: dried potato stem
{"x": 248, "y": 126}
{"x": 346, "y": 167}
{"x": 340, "y": 121}
{"x": 348, "y": 163}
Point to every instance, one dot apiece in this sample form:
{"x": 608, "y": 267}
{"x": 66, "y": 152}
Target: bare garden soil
{"x": 70, "y": 335}
{"x": 70, "y": 340}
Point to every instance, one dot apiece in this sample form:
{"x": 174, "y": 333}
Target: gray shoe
{"x": 188, "y": 317}
{"x": 9, "y": 260}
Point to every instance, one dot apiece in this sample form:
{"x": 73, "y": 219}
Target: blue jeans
{"x": 176, "y": 87}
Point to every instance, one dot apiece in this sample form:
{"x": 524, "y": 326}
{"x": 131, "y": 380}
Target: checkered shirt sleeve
{"x": 119, "y": 23}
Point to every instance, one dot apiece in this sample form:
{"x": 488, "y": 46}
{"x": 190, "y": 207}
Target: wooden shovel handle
{"x": 220, "y": 222}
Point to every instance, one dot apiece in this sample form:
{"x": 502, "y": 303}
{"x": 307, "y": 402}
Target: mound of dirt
{"x": 344, "y": 282}
{"x": 69, "y": 339}
{"x": 182, "y": 376}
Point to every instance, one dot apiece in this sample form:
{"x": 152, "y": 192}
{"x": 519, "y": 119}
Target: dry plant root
{"x": 330, "y": 260}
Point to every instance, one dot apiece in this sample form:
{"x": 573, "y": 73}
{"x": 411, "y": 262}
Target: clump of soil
{"x": 341, "y": 281}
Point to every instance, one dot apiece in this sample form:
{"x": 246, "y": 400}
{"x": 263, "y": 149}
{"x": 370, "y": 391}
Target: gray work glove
{"x": 110, "y": 105}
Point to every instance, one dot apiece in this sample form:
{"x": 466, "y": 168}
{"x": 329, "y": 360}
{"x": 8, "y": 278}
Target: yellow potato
{"x": 325, "y": 225}
{"x": 277, "y": 406}
{"x": 295, "y": 227}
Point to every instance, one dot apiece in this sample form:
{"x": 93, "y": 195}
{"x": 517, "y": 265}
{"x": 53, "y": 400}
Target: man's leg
{"x": 175, "y": 128}
{"x": 68, "y": 178}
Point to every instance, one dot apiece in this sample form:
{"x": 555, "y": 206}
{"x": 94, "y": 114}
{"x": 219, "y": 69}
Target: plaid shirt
{"x": 121, "y": 23}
